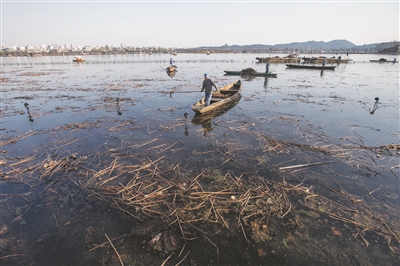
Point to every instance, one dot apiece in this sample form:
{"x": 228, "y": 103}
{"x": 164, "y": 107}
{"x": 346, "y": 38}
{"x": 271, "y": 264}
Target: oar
{"x": 169, "y": 92}
{"x": 184, "y": 91}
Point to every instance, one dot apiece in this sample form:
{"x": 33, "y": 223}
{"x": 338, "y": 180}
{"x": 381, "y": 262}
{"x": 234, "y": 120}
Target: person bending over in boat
{"x": 207, "y": 87}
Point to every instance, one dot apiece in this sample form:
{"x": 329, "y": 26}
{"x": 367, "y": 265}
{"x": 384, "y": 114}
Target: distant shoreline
{"x": 38, "y": 54}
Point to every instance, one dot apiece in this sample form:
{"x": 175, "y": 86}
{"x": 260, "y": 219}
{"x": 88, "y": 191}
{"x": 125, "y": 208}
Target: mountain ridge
{"x": 338, "y": 44}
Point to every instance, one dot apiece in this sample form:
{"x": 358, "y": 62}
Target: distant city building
{"x": 87, "y": 48}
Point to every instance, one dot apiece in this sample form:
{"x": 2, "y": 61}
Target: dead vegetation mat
{"x": 172, "y": 206}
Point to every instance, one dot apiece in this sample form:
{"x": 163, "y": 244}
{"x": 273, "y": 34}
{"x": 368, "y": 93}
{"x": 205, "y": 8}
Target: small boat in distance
{"x": 310, "y": 66}
{"x": 384, "y": 60}
{"x": 329, "y": 60}
{"x": 226, "y": 95}
{"x": 277, "y": 59}
{"x": 257, "y": 74}
{"x": 78, "y": 59}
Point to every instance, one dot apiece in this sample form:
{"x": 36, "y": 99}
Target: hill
{"x": 331, "y": 46}
{"x": 314, "y": 45}
{"x": 388, "y": 48}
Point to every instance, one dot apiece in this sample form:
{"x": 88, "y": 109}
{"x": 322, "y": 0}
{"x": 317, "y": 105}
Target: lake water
{"x": 324, "y": 148}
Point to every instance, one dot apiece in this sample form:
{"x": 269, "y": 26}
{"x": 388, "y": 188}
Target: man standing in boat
{"x": 207, "y": 87}
{"x": 267, "y": 68}
{"x": 324, "y": 62}
{"x": 171, "y": 62}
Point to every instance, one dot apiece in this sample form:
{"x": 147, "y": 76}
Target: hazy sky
{"x": 196, "y": 23}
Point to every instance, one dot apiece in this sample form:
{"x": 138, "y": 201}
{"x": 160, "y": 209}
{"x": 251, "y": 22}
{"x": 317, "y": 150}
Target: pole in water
{"x": 376, "y": 102}
{"x": 375, "y": 105}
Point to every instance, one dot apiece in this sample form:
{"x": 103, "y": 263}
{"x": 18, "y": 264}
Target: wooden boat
{"x": 227, "y": 94}
{"x": 258, "y": 74}
{"x": 204, "y": 119}
{"x": 78, "y": 59}
{"x": 383, "y": 60}
{"x": 311, "y": 67}
{"x": 329, "y": 60}
{"x": 278, "y": 59}
{"x": 171, "y": 68}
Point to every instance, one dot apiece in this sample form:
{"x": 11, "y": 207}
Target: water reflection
{"x": 266, "y": 83}
{"x": 171, "y": 74}
{"x": 322, "y": 73}
{"x": 205, "y": 122}
{"x": 29, "y": 114}
{"x": 265, "y": 88}
{"x": 186, "y": 124}
{"x": 119, "y": 109}
{"x": 248, "y": 78}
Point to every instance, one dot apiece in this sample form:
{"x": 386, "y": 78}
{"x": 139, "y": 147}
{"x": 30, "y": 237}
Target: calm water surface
{"x": 52, "y": 108}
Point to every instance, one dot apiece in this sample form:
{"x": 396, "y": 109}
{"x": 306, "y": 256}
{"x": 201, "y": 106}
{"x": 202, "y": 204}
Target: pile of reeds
{"x": 248, "y": 71}
{"x": 212, "y": 202}
{"x": 191, "y": 203}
